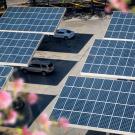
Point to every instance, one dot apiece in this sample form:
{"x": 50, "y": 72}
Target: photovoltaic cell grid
{"x": 17, "y": 49}
{"x": 111, "y": 57}
{"x": 98, "y": 103}
{"x": 122, "y": 26}
{"x": 5, "y": 73}
{"x": 43, "y": 20}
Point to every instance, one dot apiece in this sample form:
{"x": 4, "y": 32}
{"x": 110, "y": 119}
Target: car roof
{"x": 63, "y": 30}
{"x": 39, "y": 62}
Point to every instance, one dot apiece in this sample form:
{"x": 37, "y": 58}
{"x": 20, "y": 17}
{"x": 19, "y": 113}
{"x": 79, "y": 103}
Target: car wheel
{"x": 65, "y": 38}
{"x": 24, "y": 70}
{"x": 44, "y": 73}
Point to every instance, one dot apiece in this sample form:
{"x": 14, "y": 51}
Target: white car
{"x": 64, "y": 33}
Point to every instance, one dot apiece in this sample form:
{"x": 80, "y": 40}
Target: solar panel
{"x": 17, "y": 49}
{"x": 122, "y": 26}
{"x": 97, "y": 104}
{"x": 5, "y": 73}
{"x": 111, "y": 58}
{"x": 43, "y": 20}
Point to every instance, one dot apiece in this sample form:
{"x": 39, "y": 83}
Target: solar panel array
{"x": 43, "y": 20}
{"x": 99, "y": 103}
{"x": 111, "y": 57}
{"x": 17, "y": 49}
{"x": 5, "y": 73}
{"x": 122, "y": 26}
{"x": 106, "y": 105}
{"x": 21, "y": 31}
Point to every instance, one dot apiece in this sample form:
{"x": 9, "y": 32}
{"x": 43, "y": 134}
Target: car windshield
{"x": 60, "y": 32}
{"x": 68, "y": 31}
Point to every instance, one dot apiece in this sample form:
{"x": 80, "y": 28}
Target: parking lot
{"x": 61, "y": 69}
{"x": 68, "y": 57}
{"x": 63, "y": 57}
{"x": 65, "y": 45}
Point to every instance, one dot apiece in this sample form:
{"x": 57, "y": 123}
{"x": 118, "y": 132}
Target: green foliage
{"x": 128, "y": 1}
{"x": 133, "y": 9}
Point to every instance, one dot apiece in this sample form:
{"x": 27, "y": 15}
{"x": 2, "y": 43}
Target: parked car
{"x": 64, "y": 33}
{"x": 38, "y": 66}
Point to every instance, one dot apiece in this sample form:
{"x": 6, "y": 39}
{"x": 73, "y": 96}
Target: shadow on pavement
{"x": 65, "y": 45}
{"x": 30, "y": 113}
{"x": 90, "y": 132}
{"x": 62, "y": 67}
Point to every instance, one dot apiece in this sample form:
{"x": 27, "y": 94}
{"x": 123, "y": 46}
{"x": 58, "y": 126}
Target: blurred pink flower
{"x": 18, "y": 84}
{"x": 63, "y": 122}
{"x": 25, "y": 131}
{"x": 5, "y": 99}
{"x": 44, "y": 120}
{"x": 119, "y": 4}
{"x": 32, "y": 98}
{"x": 39, "y": 133}
{"x": 108, "y": 9}
{"x": 12, "y": 117}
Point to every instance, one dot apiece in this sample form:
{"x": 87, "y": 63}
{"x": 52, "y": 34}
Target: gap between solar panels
{"x": 97, "y": 104}
{"x": 43, "y": 20}
{"x": 111, "y": 59}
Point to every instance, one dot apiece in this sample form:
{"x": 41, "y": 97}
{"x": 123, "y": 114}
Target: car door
{"x": 35, "y": 67}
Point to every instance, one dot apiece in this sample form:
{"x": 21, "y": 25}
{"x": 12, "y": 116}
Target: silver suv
{"x": 40, "y": 67}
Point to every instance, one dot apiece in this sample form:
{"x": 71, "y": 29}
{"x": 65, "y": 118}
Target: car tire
{"x": 44, "y": 73}
{"x": 24, "y": 71}
{"x": 66, "y": 38}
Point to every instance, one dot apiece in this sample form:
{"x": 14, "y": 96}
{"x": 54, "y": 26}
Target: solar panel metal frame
{"x": 88, "y": 127}
{"x": 110, "y": 76}
{"x": 21, "y": 64}
{"x": 8, "y": 76}
{"x": 111, "y": 38}
{"x": 45, "y": 33}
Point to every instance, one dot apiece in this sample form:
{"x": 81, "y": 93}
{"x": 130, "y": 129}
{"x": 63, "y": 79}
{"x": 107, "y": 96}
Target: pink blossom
{"x": 119, "y": 4}
{"x": 32, "y": 98}
{"x": 108, "y": 9}
{"x": 44, "y": 120}
{"x": 18, "y": 84}
{"x": 63, "y": 122}
{"x": 5, "y": 99}
{"x": 12, "y": 117}
{"x": 39, "y": 133}
{"x": 25, "y": 131}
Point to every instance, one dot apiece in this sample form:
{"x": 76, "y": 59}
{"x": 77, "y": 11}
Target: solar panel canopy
{"x": 43, "y": 20}
{"x": 17, "y": 49}
{"x": 111, "y": 58}
{"x": 97, "y": 104}
{"x": 5, "y": 73}
{"x": 122, "y": 26}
